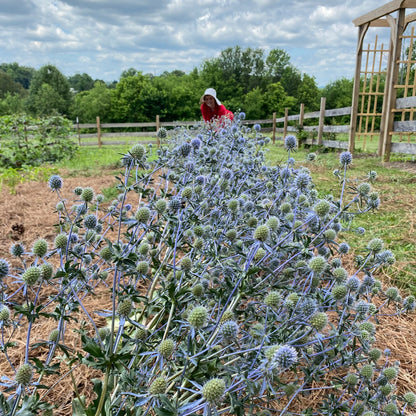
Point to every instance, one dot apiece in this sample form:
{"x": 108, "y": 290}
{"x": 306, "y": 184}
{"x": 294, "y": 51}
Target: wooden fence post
{"x": 157, "y": 130}
{"x": 285, "y": 123}
{"x": 274, "y": 128}
{"x": 321, "y": 121}
{"x": 99, "y": 132}
{"x": 79, "y": 135}
{"x": 301, "y": 114}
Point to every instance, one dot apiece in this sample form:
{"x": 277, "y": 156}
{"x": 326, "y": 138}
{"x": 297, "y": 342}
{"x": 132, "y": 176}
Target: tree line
{"x": 245, "y": 79}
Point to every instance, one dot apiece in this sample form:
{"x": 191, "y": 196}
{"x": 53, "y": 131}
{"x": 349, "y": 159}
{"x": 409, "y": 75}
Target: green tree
{"x": 11, "y": 104}
{"x": 8, "y": 85}
{"x": 276, "y": 63}
{"x": 81, "y": 82}
{"x": 92, "y": 103}
{"x": 254, "y": 104}
{"x": 308, "y": 93}
{"x": 277, "y": 100}
{"x": 338, "y": 93}
{"x": 49, "y": 92}
{"x": 21, "y": 74}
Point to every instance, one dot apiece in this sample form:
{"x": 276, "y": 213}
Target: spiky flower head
{"x": 364, "y": 189}
{"x": 46, "y": 271}
{"x": 124, "y": 308}
{"x": 229, "y": 330}
{"x": 198, "y": 290}
{"x": 138, "y": 151}
{"x": 339, "y": 292}
{"x": 17, "y": 250}
{"x": 175, "y": 204}
{"x": 166, "y": 347}
{"x": 345, "y": 158}
{"x": 213, "y": 390}
{"x": 343, "y": 248}
{"x": 24, "y": 374}
{"x": 353, "y": 283}
{"x": 185, "y": 149}
{"x": 4, "y": 313}
{"x": 4, "y": 268}
{"x": 392, "y": 293}
{"x": 87, "y": 194}
{"x": 273, "y": 223}
{"x": 273, "y": 299}
{"x": 227, "y": 316}
{"x": 317, "y": 264}
{"x": 53, "y": 335}
{"x": 390, "y": 408}
{"x": 374, "y": 354}
{"x": 410, "y": 398}
{"x": 330, "y": 234}
{"x": 322, "y": 208}
{"x": 340, "y": 274}
{"x": 186, "y": 264}
{"x": 158, "y": 386}
{"x": 142, "y": 215}
{"x": 61, "y": 240}
{"x": 90, "y": 221}
{"x": 291, "y": 142}
{"x": 367, "y": 371}
{"x": 142, "y": 267}
{"x": 55, "y": 182}
{"x": 285, "y": 357}
{"x": 162, "y": 133}
{"x": 351, "y": 379}
{"x": 311, "y": 157}
{"x": 390, "y": 373}
{"x": 319, "y": 320}
{"x": 187, "y": 192}
{"x": 198, "y": 316}
{"x": 262, "y": 233}
{"x": 106, "y": 253}
{"x": 31, "y": 276}
{"x": 375, "y": 245}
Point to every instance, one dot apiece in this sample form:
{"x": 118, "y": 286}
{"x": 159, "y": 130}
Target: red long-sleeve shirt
{"x": 208, "y": 113}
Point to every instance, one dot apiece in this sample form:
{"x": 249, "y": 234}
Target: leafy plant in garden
{"x": 227, "y": 286}
{"x": 26, "y": 141}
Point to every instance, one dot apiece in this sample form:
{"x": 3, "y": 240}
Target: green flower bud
{"x": 4, "y": 313}
{"x": 61, "y": 240}
{"x": 262, "y": 233}
{"x": 46, "y": 271}
{"x": 367, "y": 371}
{"x": 166, "y": 348}
{"x": 32, "y": 275}
{"x": 322, "y": 208}
{"x": 124, "y": 308}
{"x": 273, "y": 299}
{"x": 186, "y": 264}
{"x": 40, "y": 247}
{"x": 390, "y": 373}
{"x": 319, "y": 320}
{"x": 198, "y": 316}
{"x": 142, "y": 267}
{"x": 87, "y": 194}
{"x": 158, "y": 386}
{"x": 24, "y": 374}
{"x": 142, "y": 215}
{"x": 317, "y": 264}
{"x": 213, "y": 390}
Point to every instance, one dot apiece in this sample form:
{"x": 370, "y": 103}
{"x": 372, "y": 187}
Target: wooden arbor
{"x": 368, "y": 90}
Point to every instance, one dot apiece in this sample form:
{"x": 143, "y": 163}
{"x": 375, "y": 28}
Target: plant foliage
{"x": 227, "y": 284}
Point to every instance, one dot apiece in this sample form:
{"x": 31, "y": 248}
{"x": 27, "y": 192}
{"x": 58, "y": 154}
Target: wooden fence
{"x": 284, "y": 125}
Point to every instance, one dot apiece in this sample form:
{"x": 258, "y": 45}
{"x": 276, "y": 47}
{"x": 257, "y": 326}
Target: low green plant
{"x": 227, "y": 284}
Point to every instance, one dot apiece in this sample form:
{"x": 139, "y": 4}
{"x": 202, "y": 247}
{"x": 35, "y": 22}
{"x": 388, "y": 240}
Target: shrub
{"x": 275, "y": 316}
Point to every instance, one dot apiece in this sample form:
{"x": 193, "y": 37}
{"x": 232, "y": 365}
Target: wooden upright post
{"x": 274, "y": 128}
{"x": 301, "y": 114}
{"x": 285, "y": 123}
{"x": 321, "y": 121}
{"x": 157, "y": 130}
{"x": 99, "y": 132}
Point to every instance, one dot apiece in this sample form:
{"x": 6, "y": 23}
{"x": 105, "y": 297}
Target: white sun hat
{"x": 213, "y": 93}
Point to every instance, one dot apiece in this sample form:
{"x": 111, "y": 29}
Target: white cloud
{"x": 105, "y": 37}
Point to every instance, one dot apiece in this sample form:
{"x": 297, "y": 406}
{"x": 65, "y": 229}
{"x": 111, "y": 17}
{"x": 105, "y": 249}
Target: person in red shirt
{"x": 211, "y": 107}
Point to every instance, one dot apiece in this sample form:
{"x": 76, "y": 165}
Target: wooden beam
{"x": 409, "y": 19}
{"x": 379, "y": 23}
{"x": 388, "y": 8}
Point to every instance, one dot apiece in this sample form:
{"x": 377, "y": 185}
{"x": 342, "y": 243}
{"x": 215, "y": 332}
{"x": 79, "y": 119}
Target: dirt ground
{"x": 29, "y": 214}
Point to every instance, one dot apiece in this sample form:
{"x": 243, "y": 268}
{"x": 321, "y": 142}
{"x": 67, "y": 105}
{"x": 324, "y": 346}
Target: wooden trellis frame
{"x": 362, "y": 116}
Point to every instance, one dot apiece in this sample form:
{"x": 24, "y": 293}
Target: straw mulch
{"x": 29, "y": 214}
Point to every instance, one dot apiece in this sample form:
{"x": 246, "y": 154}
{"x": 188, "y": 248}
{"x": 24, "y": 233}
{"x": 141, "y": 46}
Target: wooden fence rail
{"x": 284, "y": 125}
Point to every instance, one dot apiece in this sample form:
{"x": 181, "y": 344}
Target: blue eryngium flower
{"x": 55, "y": 182}
{"x": 345, "y": 158}
{"x": 285, "y": 357}
{"x": 290, "y": 142}
{"x": 257, "y": 127}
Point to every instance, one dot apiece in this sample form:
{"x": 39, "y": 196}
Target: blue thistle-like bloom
{"x": 344, "y": 248}
{"x": 185, "y": 149}
{"x": 242, "y": 116}
{"x": 55, "y": 182}
{"x": 353, "y": 283}
{"x": 291, "y": 161}
{"x": 311, "y": 157}
{"x": 4, "y": 268}
{"x": 302, "y": 181}
{"x": 360, "y": 230}
{"x": 196, "y": 143}
{"x": 90, "y": 221}
{"x": 189, "y": 167}
{"x": 175, "y": 204}
{"x": 200, "y": 180}
{"x": 227, "y": 173}
{"x": 257, "y": 127}
{"x": 345, "y": 158}
{"x": 285, "y": 357}
{"x": 291, "y": 142}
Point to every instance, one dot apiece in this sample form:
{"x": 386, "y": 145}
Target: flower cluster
{"x": 226, "y": 281}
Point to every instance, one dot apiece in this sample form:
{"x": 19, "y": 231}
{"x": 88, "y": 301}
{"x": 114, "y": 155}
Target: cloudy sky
{"x": 105, "y": 37}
